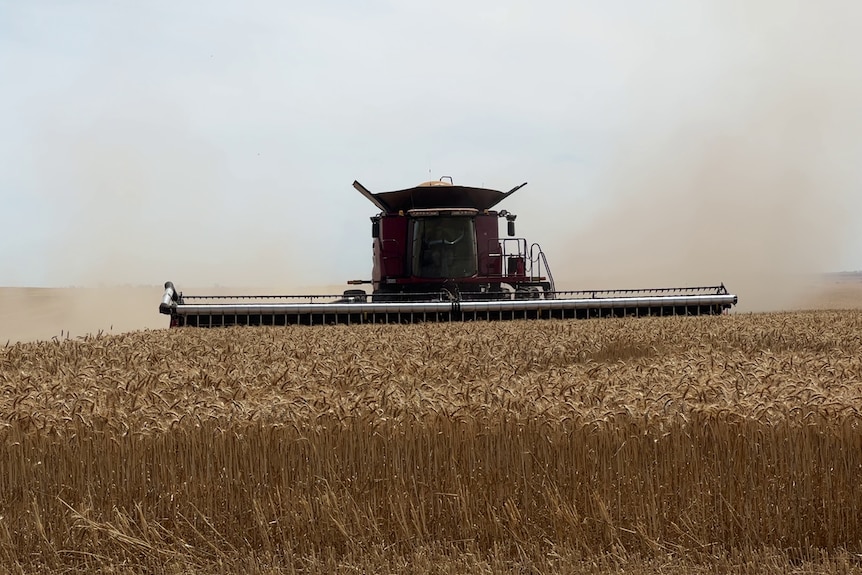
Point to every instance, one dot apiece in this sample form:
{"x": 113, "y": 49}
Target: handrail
{"x": 537, "y": 256}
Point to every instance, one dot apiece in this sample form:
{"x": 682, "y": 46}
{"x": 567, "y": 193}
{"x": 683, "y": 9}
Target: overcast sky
{"x": 215, "y": 142}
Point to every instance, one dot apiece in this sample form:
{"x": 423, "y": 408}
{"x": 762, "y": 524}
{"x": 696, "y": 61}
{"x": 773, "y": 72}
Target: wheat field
{"x": 653, "y": 445}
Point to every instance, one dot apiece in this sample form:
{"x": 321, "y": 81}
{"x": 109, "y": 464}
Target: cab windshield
{"x": 444, "y": 247}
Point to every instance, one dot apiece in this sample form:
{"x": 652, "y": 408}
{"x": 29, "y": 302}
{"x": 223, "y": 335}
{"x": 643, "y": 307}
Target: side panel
{"x": 488, "y": 245}
{"x": 391, "y": 249}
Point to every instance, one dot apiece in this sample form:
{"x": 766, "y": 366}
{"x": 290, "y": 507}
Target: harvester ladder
{"x": 539, "y": 262}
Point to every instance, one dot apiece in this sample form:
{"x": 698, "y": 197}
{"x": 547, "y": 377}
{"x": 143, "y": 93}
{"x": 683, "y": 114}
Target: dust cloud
{"x": 741, "y": 169}
{"x": 28, "y": 314}
{"x": 138, "y": 196}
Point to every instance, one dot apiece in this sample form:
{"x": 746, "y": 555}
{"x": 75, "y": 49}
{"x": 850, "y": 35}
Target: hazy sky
{"x": 216, "y": 142}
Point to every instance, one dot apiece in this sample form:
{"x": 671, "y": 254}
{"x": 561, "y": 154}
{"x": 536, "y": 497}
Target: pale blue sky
{"x": 216, "y": 142}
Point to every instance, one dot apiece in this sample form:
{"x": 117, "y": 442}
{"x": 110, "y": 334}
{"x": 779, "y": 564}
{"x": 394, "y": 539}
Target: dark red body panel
{"x": 488, "y": 244}
{"x": 391, "y": 250}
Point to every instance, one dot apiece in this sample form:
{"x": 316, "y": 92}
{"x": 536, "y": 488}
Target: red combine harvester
{"x": 438, "y": 256}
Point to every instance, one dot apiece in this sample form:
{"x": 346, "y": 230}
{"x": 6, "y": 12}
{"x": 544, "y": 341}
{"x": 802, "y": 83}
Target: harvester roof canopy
{"x": 437, "y": 196}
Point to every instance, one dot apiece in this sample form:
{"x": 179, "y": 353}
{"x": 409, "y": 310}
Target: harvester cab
{"x": 438, "y": 256}
{"x": 439, "y": 237}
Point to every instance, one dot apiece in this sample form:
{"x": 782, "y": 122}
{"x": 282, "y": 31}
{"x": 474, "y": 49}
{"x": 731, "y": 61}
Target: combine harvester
{"x": 438, "y": 256}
